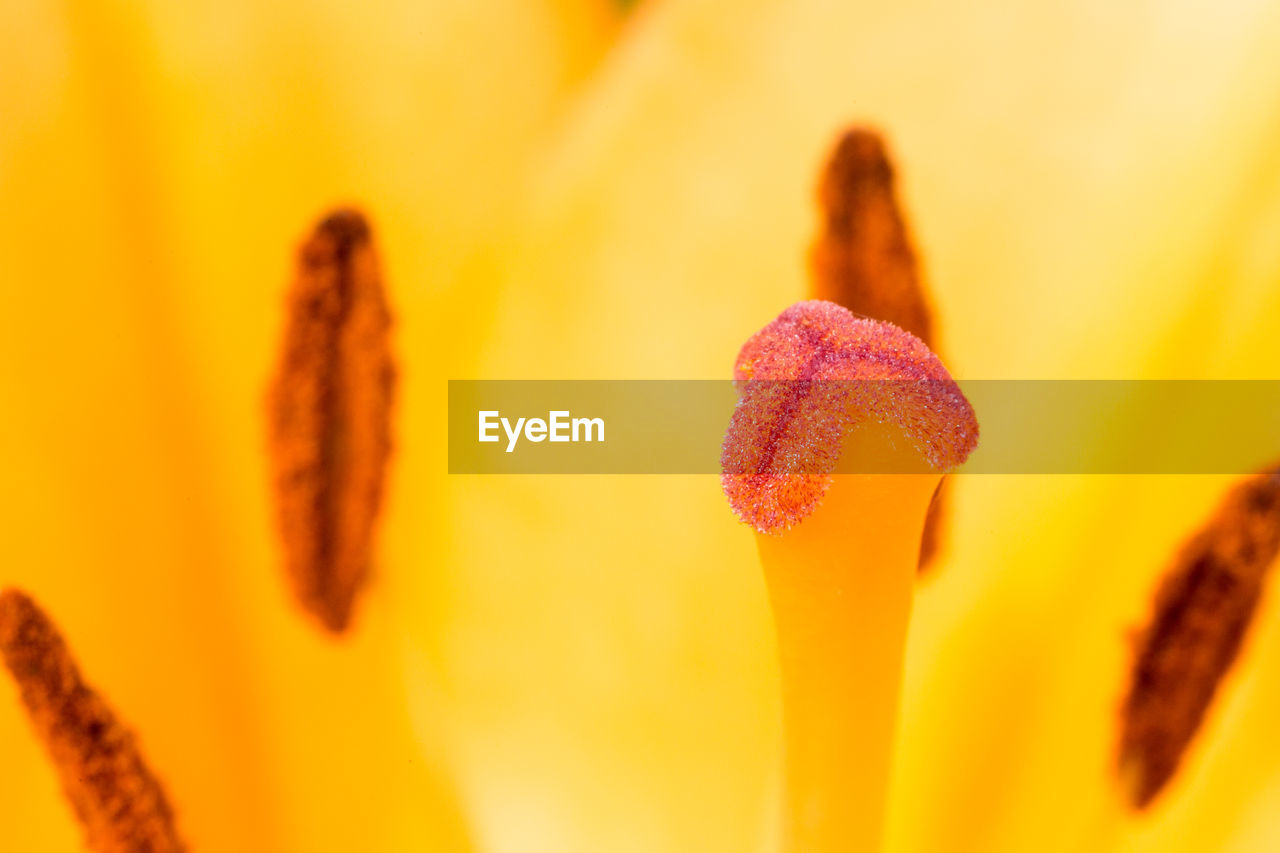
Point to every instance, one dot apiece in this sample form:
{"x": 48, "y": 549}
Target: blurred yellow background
{"x": 568, "y": 190}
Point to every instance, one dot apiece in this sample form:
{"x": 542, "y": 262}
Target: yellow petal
{"x": 158, "y": 164}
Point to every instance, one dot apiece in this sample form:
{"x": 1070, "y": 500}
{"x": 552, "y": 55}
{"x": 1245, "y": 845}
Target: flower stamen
{"x": 1202, "y": 613}
{"x": 330, "y": 417}
{"x": 863, "y": 259}
{"x": 120, "y": 803}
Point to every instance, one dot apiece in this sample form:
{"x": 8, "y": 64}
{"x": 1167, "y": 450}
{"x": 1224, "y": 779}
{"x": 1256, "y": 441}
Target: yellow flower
{"x": 567, "y": 663}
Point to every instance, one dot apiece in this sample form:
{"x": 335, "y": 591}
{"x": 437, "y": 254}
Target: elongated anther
{"x": 120, "y": 804}
{"x": 839, "y": 550}
{"x": 1201, "y": 616}
{"x": 863, "y": 258}
{"x": 330, "y": 417}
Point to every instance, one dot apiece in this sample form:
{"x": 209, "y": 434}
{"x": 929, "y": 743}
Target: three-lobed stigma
{"x": 809, "y": 377}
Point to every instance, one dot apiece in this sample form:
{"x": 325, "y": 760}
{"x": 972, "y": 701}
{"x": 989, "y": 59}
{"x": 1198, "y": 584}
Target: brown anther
{"x": 1202, "y": 612}
{"x": 120, "y": 803}
{"x": 863, "y": 259}
{"x": 330, "y": 416}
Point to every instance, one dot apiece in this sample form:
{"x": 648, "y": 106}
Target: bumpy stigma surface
{"x": 807, "y": 378}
